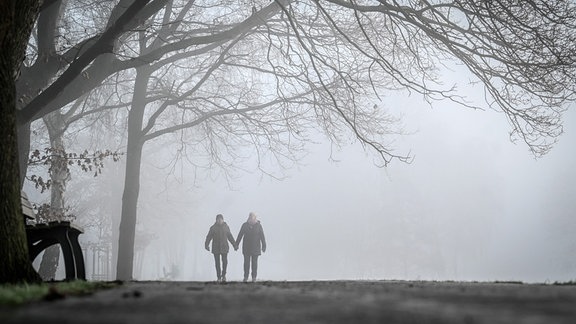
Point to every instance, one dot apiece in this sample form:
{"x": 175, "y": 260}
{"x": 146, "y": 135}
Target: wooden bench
{"x": 41, "y": 236}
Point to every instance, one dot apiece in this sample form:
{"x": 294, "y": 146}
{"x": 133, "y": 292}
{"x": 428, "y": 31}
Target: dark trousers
{"x": 220, "y": 272}
{"x": 247, "y": 260}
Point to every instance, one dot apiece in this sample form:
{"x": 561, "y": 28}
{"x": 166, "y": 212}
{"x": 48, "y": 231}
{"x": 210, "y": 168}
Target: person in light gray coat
{"x": 220, "y": 234}
{"x": 254, "y": 243}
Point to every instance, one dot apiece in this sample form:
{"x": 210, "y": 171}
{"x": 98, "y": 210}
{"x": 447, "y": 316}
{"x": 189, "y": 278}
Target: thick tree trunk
{"x": 17, "y": 17}
{"x": 127, "y": 233}
{"x": 16, "y": 266}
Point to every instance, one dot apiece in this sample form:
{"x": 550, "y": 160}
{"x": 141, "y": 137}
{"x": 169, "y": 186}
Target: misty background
{"x": 472, "y": 205}
{"x": 232, "y": 107}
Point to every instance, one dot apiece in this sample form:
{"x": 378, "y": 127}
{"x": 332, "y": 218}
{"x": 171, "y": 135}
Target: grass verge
{"x": 14, "y": 295}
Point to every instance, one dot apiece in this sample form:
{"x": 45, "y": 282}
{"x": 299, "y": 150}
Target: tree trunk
{"x": 23, "y": 150}
{"x": 49, "y": 263}
{"x": 127, "y": 233}
{"x": 38, "y": 76}
{"x": 17, "y": 17}
{"x": 59, "y": 175}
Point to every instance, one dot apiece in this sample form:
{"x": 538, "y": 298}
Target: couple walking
{"x": 254, "y": 243}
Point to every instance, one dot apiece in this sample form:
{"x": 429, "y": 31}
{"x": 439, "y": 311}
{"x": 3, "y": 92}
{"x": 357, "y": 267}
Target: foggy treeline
{"x": 375, "y": 142}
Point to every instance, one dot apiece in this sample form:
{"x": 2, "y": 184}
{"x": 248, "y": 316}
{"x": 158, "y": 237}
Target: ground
{"x": 309, "y": 302}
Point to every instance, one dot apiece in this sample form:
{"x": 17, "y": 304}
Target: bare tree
{"x": 334, "y": 54}
{"x": 61, "y": 65}
{"x": 232, "y": 95}
{"x": 521, "y": 54}
{"x": 322, "y": 60}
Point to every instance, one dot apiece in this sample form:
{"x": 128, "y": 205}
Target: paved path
{"x": 309, "y": 302}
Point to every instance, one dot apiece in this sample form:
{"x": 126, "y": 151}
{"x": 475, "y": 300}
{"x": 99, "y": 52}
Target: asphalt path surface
{"x": 308, "y": 302}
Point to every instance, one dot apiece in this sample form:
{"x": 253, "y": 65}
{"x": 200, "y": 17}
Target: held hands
{"x": 207, "y": 248}
{"x": 235, "y": 247}
{"x": 263, "y": 249}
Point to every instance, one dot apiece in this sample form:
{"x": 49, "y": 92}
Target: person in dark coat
{"x": 220, "y": 234}
{"x": 254, "y": 243}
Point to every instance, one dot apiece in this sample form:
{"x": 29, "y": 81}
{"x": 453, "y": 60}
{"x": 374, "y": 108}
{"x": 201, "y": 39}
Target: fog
{"x": 471, "y": 206}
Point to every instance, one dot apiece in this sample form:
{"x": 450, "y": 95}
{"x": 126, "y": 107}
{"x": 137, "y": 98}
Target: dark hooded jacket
{"x": 219, "y": 234}
{"x": 254, "y": 240}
